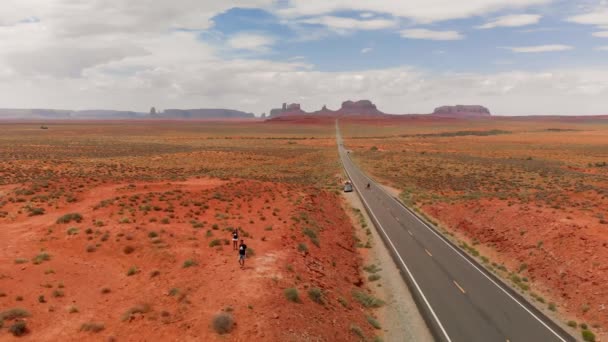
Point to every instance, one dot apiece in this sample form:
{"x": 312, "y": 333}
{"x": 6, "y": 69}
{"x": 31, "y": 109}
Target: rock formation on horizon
{"x": 348, "y": 108}
{"x": 462, "y": 111}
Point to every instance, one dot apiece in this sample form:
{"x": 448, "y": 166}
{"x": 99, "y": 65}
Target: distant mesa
{"x": 348, "y": 108}
{"x": 460, "y": 111}
{"x": 290, "y": 110}
{"x": 100, "y": 114}
{"x": 363, "y": 107}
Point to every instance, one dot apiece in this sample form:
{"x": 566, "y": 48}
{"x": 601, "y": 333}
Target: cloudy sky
{"x": 408, "y": 56}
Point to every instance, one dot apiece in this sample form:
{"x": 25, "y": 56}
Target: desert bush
{"x": 357, "y": 331}
{"x": 588, "y": 336}
{"x": 67, "y": 218}
{"x": 14, "y": 313}
{"x": 132, "y": 271}
{"x": 572, "y": 324}
{"x": 373, "y": 277}
{"x": 72, "y": 231}
{"x": 367, "y": 300}
{"x": 316, "y": 295}
{"x": 215, "y": 242}
{"x": 189, "y": 263}
{"x": 223, "y": 323}
{"x": 128, "y": 249}
{"x": 58, "y": 294}
{"x": 138, "y": 309}
{"x": 18, "y": 328}
{"x": 302, "y": 248}
{"x": 249, "y": 252}
{"x": 152, "y": 234}
{"x": 372, "y": 268}
{"x": 91, "y": 248}
{"x": 20, "y": 261}
{"x": 374, "y": 322}
{"x": 40, "y": 258}
{"x": 292, "y": 295}
{"x": 92, "y": 327}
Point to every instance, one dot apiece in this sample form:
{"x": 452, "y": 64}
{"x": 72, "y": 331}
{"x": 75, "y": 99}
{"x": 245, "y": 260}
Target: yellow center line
{"x": 459, "y": 287}
{"x": 427, "y": 252}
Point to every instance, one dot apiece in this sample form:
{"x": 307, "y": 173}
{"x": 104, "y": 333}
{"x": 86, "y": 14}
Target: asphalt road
{"x": 459, "y": 300}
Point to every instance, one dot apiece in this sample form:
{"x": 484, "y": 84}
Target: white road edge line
{"x": 403, "y": 263}
{"x": 472, "y": 264}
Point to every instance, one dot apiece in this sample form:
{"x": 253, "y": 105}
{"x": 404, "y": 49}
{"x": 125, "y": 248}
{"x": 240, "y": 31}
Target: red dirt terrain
{"x": 153, "y": 261}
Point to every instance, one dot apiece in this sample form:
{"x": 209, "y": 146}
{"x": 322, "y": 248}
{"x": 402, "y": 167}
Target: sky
{"x": 517, "y": 57}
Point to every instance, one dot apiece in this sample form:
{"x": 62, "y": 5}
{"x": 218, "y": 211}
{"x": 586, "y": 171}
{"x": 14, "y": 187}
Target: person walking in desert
{"x": 235, "y": 239}
{"x": 242, "y": 253}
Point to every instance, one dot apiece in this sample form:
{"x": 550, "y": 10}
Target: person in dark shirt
{"x": 235, "y": 240}
{"x": 242, "y": 253}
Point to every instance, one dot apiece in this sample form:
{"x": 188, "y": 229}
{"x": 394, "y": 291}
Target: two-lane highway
{"x": 459, "y": 300}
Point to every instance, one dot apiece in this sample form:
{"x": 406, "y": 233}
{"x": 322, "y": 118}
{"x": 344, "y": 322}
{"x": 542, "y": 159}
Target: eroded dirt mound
{"x": 154, "y": 261}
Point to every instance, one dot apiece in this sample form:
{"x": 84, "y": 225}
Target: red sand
{"x": 254, "y": 295}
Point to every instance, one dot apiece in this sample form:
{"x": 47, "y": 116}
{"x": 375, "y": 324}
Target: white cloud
{"x": 512, "y": 21}
{"x": 256, "y": 42}
{"x": 601, "y": 34}
{"x": 366, "y": 50}
{"x": 540, "y": 48}
{"x": 422, "y": 11}
{"x": 431, "y": 35}
{"x": 602, "y": 48}
{"x": 350, "y": 24}
{"x": 598, "y": 17}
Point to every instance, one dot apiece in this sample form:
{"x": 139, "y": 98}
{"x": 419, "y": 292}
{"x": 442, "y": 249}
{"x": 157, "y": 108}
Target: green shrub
{"x": 374, "y": 322}
{"x": 316, "y": 295}
{"x": 367, "y": 300}
{"x": 18, "y": 328}
{"x": 141, "y": 309}
{"x": 357, "y": 331}
{"x": 223, "y": 323}
{"x": 302, "y": 248}
{"x": 92, "y": 327}
{"x": 14, "y": 313}
{"x": 67, "y": 218}
{"x": 572, "y": 324}
{"x": 132, "y": 271}
{"x": 189, "y": 263}
{"x": 588, "y": 336}
{"x": 40, "y": 258}
{"x": 215, "y": 242}
{"x": 292, "y": 295}
{"x": 373, "y": 277}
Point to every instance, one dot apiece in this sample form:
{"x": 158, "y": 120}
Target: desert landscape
{"x": 122, "y": 231}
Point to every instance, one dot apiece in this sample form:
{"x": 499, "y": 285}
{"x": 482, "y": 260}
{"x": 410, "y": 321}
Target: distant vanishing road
{"x": 459, "y": 300}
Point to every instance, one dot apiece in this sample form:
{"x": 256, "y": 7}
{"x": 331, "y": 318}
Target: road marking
{"x": 427, "y": 252}
{"x": 459, "y": 287}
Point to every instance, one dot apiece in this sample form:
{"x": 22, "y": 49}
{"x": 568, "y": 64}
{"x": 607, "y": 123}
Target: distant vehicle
{"x": 348, "y": 187}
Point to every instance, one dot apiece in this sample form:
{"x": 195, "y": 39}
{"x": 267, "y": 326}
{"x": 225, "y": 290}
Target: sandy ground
{"x": 400, "y": 317}
{"x": 151, "y": 271}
